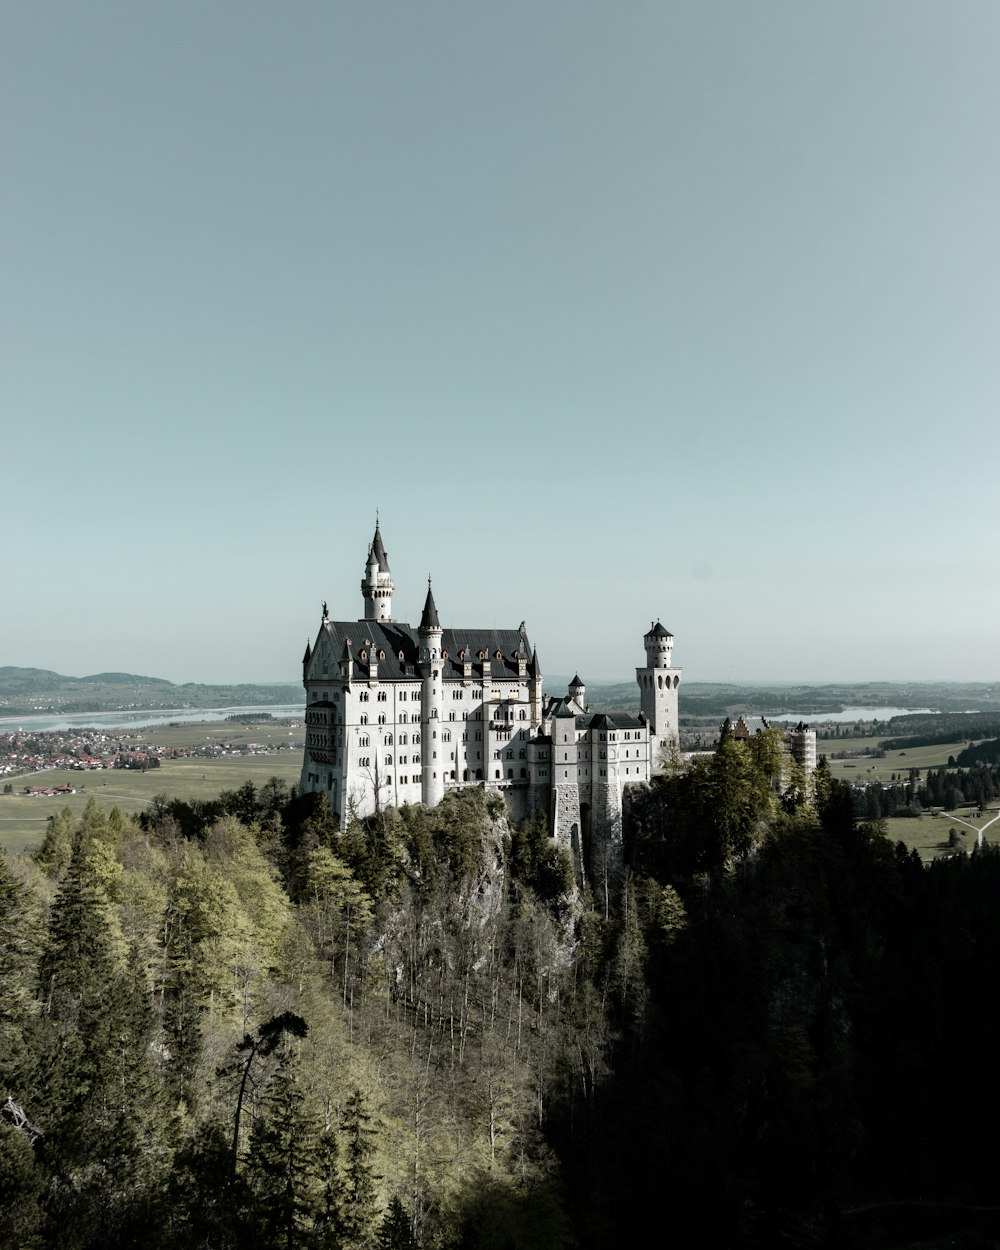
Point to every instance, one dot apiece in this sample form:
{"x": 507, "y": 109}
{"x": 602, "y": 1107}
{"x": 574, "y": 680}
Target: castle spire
{"x": 377, "y": 585}
{"x": 429, "y": 619}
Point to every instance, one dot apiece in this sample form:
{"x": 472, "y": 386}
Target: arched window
{"x": 364, "y": 718}
{"x": 510, "y": 774}
{"x": 381, "y": 718}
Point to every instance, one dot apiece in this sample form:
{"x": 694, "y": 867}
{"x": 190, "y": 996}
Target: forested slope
{"x": 231, "y": 1025}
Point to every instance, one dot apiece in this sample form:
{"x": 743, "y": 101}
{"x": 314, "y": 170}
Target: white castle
{"x": 396, "y": 715}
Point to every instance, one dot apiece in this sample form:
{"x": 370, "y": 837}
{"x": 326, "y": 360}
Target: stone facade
{"x": 396, "y": 715}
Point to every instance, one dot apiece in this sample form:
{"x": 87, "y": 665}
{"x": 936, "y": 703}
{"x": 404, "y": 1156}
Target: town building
{"x": 398, "y": 715}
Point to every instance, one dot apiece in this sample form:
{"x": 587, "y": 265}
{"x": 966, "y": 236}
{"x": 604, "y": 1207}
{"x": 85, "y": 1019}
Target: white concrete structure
{"x": 396, "y": 715}
{"x": 658, "y": 684}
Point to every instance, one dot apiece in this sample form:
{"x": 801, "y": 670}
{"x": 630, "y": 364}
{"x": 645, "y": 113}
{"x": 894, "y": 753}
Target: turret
{"x": 377, "y": 585}
{"x": 578, "y": 691}
{"x": 430, "y": 663}
{"x": 659, "y": 643}
{"x": 658, "y": 683}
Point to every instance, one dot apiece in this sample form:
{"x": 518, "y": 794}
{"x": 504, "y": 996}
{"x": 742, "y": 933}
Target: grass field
{"x": 866, "y": 768}
{"x": 23, "y": 819}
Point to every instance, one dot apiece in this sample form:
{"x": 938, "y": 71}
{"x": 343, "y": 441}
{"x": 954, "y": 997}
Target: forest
{"x": 229, "y": 1023}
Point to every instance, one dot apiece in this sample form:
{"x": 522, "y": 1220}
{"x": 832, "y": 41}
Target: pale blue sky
{"x": 615, "y": 311}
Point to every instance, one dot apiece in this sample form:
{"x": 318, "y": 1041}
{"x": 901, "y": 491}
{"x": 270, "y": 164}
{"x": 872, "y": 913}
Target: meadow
{"x": 23, "y": 819}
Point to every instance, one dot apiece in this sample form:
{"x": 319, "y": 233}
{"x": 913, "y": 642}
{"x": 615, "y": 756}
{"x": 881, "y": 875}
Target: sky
{"x": 614, "y": 312}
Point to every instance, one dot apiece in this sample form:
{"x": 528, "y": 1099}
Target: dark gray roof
{"x": 380, "y": 553}
{"x": 576, "y": 682}
{"x": 609, "y": 720}
{"x": 657, "y": 631}
{"x": 395, "y": 639}
{"x": 429, "y": 619}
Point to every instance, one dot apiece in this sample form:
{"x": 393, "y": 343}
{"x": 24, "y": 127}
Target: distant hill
{"x": 24, "y": 691}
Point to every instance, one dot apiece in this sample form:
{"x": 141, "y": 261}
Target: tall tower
{"x": 658, "y": 683}
{"x": 376, "y": 585}
{"x": 430, "y": 666}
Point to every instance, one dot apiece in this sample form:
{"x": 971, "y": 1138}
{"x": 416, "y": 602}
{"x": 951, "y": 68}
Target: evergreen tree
{"x": 286, "y": 1165}
{"x": 360, "y": 1211}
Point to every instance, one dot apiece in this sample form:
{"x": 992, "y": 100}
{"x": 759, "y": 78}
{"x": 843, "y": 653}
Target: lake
{"x": 140, "y": 720}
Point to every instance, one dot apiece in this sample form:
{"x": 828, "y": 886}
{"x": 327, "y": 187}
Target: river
{"x": 44, "y": 723}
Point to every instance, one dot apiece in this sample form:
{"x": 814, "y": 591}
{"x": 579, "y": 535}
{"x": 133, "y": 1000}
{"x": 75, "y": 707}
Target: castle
{"x": 396, "y": 715}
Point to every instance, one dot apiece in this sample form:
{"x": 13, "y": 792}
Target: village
{"x": 25, "y": 751}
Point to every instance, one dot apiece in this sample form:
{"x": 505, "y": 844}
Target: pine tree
{"x": 394, "y": 1232}
{"x": 285, "y": 1164}
{"x": 361, "y": 1207}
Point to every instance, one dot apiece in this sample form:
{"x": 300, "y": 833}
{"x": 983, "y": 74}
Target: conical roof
{"x": 379, "y": 550}
{"x": 429, "y": 619}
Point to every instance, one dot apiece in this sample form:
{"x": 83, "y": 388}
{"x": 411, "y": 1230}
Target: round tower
{"x": 377, "y": 585}
{"x": 578, "y": 691}
{"x": 658, "y": 683}
{"x": 431, "y": 667}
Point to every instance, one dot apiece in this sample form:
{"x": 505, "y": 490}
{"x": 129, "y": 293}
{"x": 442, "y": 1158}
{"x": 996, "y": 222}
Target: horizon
{"x": 668, "y": 313}
{"x": 562, "y": 678}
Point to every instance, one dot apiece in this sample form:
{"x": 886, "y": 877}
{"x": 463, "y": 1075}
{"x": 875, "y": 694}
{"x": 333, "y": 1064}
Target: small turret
{"x": 578, "y": 691}
{"x": 659, "y": 643}
{"x": 377, "y": 585}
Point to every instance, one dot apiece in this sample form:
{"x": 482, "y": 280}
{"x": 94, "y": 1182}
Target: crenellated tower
{"x": 430, "y": 665}
{"x": 658, "y": 683}
{"x": 377, "y": 585}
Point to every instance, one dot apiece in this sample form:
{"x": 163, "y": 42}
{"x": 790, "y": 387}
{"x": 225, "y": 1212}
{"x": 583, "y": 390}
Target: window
{"x": 363, "y": 741}
{"x": 388, "y": 740}
{"x": 451, "y": 715}
{"x": 402, "y": 740}
{"x": 381, "y": 718}
{"x": 402, "y": 693}
{"x": 363, "y": 696}
{"x": 402, "y": 718}
{"x": 364, "y": 718}
{"x": 382, "y": 696}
